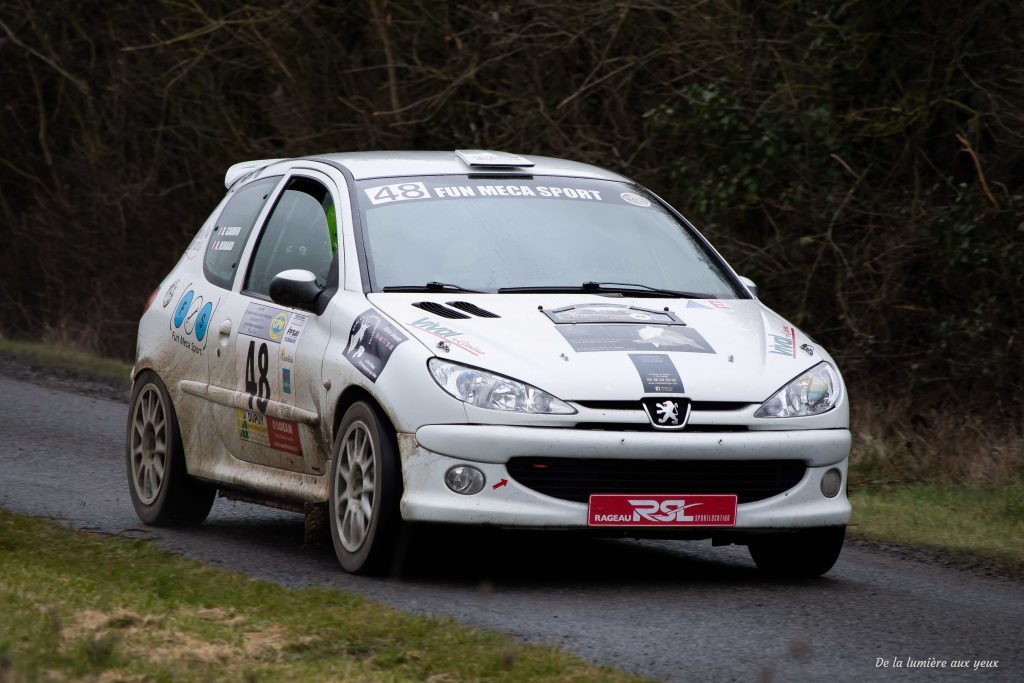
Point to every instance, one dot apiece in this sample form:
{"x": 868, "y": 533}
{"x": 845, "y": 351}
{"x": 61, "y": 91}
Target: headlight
{"x": 813, "y": 392}
{"x": 487, "y": 390}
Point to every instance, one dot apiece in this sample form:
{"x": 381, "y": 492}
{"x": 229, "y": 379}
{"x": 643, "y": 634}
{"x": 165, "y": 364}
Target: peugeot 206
{"x": 480, "y": 338}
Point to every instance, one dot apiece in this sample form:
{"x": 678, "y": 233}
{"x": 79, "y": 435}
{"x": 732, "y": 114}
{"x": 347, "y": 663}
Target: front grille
{"x": 576, "y": 479}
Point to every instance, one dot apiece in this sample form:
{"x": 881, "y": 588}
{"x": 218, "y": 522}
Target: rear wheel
{"x": 366, "y": 486}
{"x": 161, "y": 490}
{"x": 800, "y": 554}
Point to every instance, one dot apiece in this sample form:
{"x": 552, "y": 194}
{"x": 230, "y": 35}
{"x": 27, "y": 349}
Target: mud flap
{"x": 317, "y": 528}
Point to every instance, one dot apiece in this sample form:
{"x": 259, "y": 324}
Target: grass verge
{"x": 979, "y": 521}
{"x": 74, "y": 605}
{"x": 65, "y": 358}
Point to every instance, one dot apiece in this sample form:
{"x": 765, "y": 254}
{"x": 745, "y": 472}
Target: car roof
{"x": 365, "y": 165}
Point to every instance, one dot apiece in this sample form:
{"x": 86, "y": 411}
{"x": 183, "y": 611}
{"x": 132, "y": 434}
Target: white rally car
{"x": 476, "y": 337}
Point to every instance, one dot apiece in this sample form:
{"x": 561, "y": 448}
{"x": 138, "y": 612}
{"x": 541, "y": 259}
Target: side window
{"x": 300, "y": 233}
{"x": 232, "y": 229}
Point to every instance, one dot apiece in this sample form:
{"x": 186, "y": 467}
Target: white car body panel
{"x": 756, "y": 352}
{"x": 523, "y": 343}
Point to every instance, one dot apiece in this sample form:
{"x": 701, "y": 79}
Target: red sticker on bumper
{"x": 661, "y": 510}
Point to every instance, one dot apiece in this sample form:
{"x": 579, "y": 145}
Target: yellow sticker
{"x": 277, "y": 325}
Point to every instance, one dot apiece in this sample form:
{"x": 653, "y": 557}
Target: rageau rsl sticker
{"x": 371, "y": 341}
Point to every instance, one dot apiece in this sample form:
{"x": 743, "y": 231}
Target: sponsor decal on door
{"x": 281, "y": 435}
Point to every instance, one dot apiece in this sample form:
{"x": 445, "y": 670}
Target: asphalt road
{"x": 673, "y": 610}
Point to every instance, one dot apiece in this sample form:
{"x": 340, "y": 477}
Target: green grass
{"x": 65, "y": 358}
{"x": 981, "y": 521}
{"x": 74, "y": 605}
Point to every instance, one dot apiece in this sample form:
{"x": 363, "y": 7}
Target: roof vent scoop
{"x": 488, "y": 158}
{"x": 439, "y": 309}
{"x": 472, "y": 309}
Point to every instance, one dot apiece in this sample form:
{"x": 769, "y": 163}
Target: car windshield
{"x": 528, "y": 232}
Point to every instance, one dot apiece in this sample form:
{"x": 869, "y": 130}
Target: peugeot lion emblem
{"x": 667, "y": 413}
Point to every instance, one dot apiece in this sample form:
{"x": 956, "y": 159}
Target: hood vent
{"x": 473, "y": 309}
{"x": 439, "y": 309}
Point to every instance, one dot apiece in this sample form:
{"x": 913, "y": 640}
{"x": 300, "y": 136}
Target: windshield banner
{"x": 443, "y": 188}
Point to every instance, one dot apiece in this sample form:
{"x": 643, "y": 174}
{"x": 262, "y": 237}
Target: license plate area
{"x": 674, "y": 510}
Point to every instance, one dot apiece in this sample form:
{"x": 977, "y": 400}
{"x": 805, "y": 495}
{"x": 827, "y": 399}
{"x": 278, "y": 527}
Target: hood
{"x": 585, "y": 347}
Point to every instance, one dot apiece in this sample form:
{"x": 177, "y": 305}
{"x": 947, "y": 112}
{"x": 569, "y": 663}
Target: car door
{"x": 265, "y": 376}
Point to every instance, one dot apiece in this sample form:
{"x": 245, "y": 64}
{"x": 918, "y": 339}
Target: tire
{"x": 800, "y": 554}
{"x": 366, "y": 487}
{"x": 161, "y": 490}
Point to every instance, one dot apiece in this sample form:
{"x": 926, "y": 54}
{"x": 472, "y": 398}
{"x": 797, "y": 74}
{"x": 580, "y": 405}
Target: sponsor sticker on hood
{"x": 657, "y": 372}
{"x": 620, "y": 337}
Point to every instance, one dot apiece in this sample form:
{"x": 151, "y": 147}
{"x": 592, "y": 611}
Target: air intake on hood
{"x": 472, "y": 309}
{"x": 439, "y": 309}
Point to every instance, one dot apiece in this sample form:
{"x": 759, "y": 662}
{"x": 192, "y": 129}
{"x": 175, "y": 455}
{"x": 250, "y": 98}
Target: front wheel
{"x": 366, "y": 487}
{"x": 161, "y": 490}
{"x": 799, "y": 554}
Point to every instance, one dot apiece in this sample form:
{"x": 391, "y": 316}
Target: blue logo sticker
{"x": 286, "y": 380}
{"x": 203, "y": 321}
{"x": 694, "y": 304}
{"x": 182, "y": 310}
{"x": 277, "y": 325}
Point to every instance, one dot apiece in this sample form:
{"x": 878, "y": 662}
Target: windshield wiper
{"x": 633, "y": 288}
{"x": 429, "y": 287}
{"x": 608, "y": 288}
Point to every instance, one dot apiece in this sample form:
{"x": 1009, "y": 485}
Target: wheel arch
{"x": 351, "y": 395}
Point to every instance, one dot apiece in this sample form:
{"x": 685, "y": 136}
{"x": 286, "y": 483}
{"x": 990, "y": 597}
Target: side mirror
{"x": 295, "y": 289}
{"x": 745, "y": 280}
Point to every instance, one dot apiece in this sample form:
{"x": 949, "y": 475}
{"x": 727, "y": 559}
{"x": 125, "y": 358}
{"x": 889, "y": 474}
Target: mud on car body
{"x": 480, "y": 338}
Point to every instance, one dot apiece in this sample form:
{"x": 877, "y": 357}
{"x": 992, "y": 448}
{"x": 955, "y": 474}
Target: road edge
{"x": 88, "y": 384}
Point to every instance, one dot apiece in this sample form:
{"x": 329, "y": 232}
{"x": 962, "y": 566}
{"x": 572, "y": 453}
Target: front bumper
{"x": 428, "y": 454}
